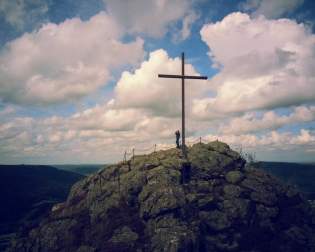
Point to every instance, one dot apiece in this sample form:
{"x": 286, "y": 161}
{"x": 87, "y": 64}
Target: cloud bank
{"x": 270, "y": 120}
{"x": 264, "y": 65}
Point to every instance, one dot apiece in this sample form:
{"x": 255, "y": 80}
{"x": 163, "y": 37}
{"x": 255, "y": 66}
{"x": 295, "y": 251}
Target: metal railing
{"x": 130, "y": 154}
{"x": 129, "y": 157}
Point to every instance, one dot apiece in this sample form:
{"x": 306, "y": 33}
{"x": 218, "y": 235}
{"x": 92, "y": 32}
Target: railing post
{"x": 118, "y": 181}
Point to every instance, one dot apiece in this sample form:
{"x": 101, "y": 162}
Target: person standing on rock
{"x": 177, "y": 134}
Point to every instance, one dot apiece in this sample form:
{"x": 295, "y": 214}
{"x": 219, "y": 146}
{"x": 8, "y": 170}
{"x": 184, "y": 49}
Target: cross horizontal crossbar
{"x": 181, "y": 76}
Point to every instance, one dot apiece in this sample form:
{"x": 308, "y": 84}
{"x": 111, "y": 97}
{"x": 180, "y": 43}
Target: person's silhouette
{"x": 177, "y": 134}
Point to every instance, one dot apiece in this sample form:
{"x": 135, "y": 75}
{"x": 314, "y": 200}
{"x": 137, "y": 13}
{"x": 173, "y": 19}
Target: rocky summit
{"x": 212, "y": 201}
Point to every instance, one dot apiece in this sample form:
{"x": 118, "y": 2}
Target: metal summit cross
{"x": 183, "y": 77}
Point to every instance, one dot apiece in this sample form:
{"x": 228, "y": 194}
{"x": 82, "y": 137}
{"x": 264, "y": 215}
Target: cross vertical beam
{"x": 183, "y": 77}
{"x": 183, "y": 105}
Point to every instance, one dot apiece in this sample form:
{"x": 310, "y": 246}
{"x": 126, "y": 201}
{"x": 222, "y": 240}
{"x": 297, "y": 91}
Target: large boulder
{"x": 210, "y": 201}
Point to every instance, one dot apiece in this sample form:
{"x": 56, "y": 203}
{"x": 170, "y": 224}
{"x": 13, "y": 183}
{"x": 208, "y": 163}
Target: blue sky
{"x": 78, "y": 78}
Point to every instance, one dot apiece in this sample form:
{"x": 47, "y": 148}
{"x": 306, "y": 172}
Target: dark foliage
{"x": 27, "y": 193}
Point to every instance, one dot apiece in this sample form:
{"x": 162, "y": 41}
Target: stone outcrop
{"x": 161, "y": 202}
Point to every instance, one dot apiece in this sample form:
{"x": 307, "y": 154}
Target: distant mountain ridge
{"x": 27, "y": 192}
{"x": 83, "y": 169}
{"x": 298, "y": 174}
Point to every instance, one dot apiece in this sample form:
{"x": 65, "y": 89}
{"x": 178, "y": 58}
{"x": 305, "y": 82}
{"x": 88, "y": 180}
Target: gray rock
{"x": 124, "y": 235}
{"x": 231, "y": 191}
{"x": 216, "y": 220}
{"x": 234, "y": 177}
{"x": 146, "y": 205}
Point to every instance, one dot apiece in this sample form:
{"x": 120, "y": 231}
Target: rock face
{"x": 160, "y": 202}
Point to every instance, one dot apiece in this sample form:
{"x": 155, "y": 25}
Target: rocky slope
{"x": 159, "y": 202}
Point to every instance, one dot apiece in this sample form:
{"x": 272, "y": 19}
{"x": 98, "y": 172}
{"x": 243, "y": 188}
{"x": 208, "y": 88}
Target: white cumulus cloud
{"x": 264, "y": 64}
{"x": 143, "y": 88}
{"x": 66, "y": 61}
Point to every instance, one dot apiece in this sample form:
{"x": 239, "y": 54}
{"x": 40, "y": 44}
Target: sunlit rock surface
{"x": 153, "y": 204}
